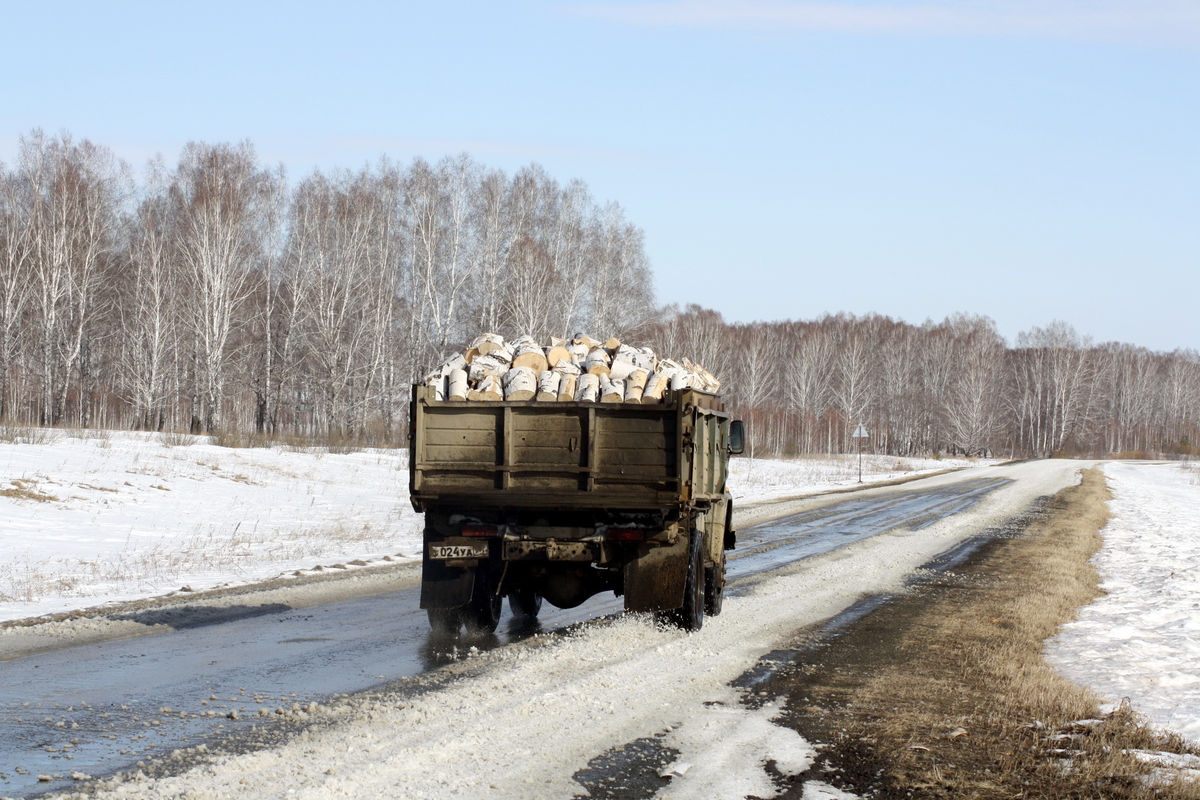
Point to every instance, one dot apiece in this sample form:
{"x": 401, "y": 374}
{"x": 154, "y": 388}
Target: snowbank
{"x": 1141, "y": 639}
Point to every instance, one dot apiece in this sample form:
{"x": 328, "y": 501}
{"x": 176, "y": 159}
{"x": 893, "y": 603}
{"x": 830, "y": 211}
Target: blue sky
{"x": 1029, "y": 160}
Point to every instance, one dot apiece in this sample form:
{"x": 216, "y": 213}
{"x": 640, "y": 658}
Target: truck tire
{"x": 525, "y": 603}
{"x": 690, "y": 617}
{"x": 714, "y": 588}
{"x": 445, "y": 621}
{"x": 483, "y": 614}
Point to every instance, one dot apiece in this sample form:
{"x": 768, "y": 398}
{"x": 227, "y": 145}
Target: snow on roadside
{"x": 116, "y": 516}
{"x": 608, "y": 682}
{"x": 1141, "y": 639}
{"x": 759, "y": 479}
{"x": 105, "y": 516}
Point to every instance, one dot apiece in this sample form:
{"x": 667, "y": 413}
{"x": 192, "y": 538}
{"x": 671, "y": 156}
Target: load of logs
{"x": 582, "y": 370}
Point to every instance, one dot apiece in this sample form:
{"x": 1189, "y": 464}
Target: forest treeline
{"x": 215, "y": 295}
{"x": 950, "y": 387}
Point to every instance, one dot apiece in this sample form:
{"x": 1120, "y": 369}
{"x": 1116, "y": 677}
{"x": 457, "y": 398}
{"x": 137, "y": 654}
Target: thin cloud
{"x": 1174, "y": 22}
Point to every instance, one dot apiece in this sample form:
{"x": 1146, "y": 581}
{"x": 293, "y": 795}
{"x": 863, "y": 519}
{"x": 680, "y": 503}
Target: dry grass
{"x": 23, "y": 490}
{"x": 946, "y": 694}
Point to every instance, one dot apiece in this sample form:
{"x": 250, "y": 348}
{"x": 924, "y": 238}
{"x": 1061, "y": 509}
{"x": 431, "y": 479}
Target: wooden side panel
{"x": 594, "y": 455}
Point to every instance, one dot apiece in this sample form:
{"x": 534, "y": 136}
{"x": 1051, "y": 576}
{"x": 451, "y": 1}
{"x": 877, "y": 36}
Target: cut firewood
{"x": 547, "y": 385}
{"x": 611, "y": 391}
{"x": 457, "y": 385}
{"x": 557, "y": 354}
{"x": 635, "y": 385}
{"x": 489, "y": 389}
{"x": 483, "y": 366}
{"x": 438, "y": 381}
{"x": 656, "y": 385}
{"x": 623, "y": 362}
{"x": 647, "y": 359}
{"x": 585, "y": 370}
{"x": 685, "y": 380}
{"x": 597, "y": 361}
{"x": 520, "y": 383}
{"x": 566, "y": 389}
{"x": 487, "y": 343}
{"x": 528, "y": 353}
{"x": 456, "y": 361}
{"x": 589, "y": 387}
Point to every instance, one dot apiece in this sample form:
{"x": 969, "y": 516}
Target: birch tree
{"x": 218, "y": 198}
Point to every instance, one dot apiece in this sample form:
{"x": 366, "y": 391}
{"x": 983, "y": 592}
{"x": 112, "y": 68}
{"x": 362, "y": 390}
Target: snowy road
{"x": 98, "y": 709}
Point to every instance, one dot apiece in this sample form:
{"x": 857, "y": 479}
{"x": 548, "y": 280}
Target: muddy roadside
{"x": 943, "y": 692}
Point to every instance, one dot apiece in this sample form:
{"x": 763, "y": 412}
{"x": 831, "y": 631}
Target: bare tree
{"x": 218, "y": 198}
{"x": 16, "y": 256}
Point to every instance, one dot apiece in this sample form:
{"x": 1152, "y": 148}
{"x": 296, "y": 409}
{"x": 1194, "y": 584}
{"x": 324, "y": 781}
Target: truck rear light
{"x": 480, "y": 530}
{"x": 626, "y": 534}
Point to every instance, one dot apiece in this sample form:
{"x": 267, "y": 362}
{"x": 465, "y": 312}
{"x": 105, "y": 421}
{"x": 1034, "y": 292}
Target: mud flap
{"x": 443, "y": 586}
{"x": 655, "y": 580}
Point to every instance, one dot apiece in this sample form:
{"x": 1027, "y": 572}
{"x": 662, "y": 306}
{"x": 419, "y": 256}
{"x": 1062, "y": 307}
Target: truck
{"x": 560, "y": 501}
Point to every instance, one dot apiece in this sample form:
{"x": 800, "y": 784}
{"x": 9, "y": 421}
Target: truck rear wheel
{"x": 445, "y": 621}
{"x": 714, "y": 588}
{"x": 690, "y": 616}
{"x": 525, "y": 603}
{"x": 483, "y": 614}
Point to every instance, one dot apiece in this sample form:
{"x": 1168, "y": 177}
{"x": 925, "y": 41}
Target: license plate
{"x": 472, "y": 550}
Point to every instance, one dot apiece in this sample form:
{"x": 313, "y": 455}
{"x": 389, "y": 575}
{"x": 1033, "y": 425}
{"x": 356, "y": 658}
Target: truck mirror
{"x": 737, "y": 437}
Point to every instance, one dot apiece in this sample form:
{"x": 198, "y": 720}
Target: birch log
{"x": 656, "y": 385}
{"x": 520, "y": 383}
{"x": 566, "y": 389}
{"x": 487, "y": 343}
{"x": 489, "y": 390}
{"x": 557, "y": 354}
{"x": 457, "y": 385}
{"x": 483, "y": 366}
{"x": 589, "y": 386}
{"x": 529, "y": 354}
{"x": 597, "y": 361}
{"x": 635, "y": 385}
{"x": 437, "y": 380}
{"x": 623, "y": 362}
{"x": 611, "y": 391}
{"x": 548, "y": 384}
{"x": 578, "y": 354}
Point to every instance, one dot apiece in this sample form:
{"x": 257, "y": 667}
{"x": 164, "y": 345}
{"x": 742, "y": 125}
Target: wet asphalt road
{"x": 98, "y": 709}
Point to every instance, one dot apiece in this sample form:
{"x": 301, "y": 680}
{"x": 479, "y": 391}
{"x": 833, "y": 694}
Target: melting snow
{"x": 1141, "y": 639}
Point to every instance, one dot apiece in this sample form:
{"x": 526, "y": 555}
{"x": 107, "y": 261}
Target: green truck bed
{"x": 532, "y": 454}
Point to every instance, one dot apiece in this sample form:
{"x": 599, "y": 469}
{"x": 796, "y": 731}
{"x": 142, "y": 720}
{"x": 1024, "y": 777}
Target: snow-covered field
{"x": 1141, "y": 640}
{"x": 102, "y": 516}
{"x": 755, "y": 480}
{"x": 116, "y": 516}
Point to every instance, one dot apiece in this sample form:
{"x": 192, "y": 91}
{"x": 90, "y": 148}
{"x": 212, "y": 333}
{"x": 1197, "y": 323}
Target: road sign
{"x": 860, "y": 432}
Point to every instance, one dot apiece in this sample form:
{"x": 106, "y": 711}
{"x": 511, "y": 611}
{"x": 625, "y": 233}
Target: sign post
{"x": 860, "y": 433}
